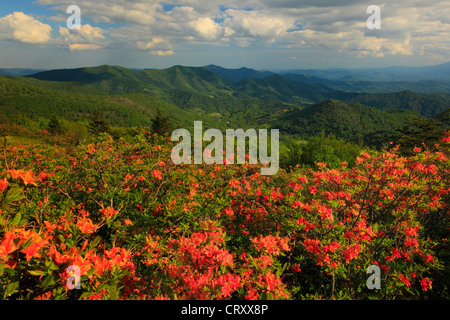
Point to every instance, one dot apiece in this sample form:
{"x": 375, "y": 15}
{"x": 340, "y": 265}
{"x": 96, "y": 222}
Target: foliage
{"x": 98, "y": 125}
{"x": 420, "y": 131}
{"x": 54, "y": 125}
{"x": 321, "y": 148}
{"x": 329, "y": 150}
{"x": 161, "y": 125}
{"x": 130, "y": 98}
{"x": 139, "y": 227}
{"x": 351, "y": 122}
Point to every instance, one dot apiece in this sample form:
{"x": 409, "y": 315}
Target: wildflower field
{"x": 136, "y": 226}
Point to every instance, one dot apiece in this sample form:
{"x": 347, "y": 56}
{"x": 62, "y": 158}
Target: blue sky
{"x": 261, "y": 34}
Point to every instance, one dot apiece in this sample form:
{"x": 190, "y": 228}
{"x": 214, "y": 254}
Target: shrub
{"x": 136, "y": 226}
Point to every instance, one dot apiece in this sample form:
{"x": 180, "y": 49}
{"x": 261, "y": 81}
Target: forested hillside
{"x": 300, "y": 106}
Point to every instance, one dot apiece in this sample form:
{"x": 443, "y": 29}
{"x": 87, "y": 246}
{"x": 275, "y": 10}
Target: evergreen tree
{"x": 161, "y": 124}
{"x": 418, "y": 131}
{"x": 97, "y": 124}
{"x": 54, "y": 125}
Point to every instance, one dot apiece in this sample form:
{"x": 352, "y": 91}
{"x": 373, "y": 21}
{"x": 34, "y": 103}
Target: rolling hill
{"x": 349, "y": 121}
{"x": 179, "y": 84}
{"x": 117, "y": 80}
{"x": 300, "y": 106}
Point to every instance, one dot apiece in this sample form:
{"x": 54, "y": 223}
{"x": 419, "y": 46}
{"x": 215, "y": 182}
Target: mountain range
{"x": 297, "y": 103}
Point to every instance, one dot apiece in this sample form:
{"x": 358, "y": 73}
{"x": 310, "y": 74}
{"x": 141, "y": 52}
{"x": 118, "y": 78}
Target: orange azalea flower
{"x": 58, "y": 257}
{"x": 28, "y": 177}
{"x": 108, "y": 212}
{"x": 34, "y": 240}
{"x": 16, "y": 173}
{"x": 229, "y": 211}
{"x": 43, "y": 176}
{"x": 157, "y": 174}
{"x": 446, "y": 139}
{"x": 86, "y": 225}
{"x": 33, "y": 249}
{"x": 7, "y": 246}
{"x": 3, "y": 185}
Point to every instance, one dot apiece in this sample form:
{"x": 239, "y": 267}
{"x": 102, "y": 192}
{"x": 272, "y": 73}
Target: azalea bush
{"x": 120, "y": 218}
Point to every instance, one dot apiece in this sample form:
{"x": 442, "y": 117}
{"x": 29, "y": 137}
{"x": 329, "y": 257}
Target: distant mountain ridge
{"x": 170, "y": 82}
{"x": 302, "y": 105}
{"x": 19, "y": 71}
{"x": 430, "y": 79}
{"x": 394, "y": 73}
{"x": 238, "y": 74}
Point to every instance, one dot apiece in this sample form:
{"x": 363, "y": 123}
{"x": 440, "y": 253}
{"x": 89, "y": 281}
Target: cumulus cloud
{"x": 85, "y": 38}
{"x": 408, "y": 26}
{"x": 257, "y": 25}
{"x": 156, "y": 46}
{"x": 207, "y": 28}
{"x": 309, "y": 3}
{"x": 86, "y": 33}
{"x": 83, "y": 46}
{"x": 24, "y": 28}
{"x": 111, "y": 11}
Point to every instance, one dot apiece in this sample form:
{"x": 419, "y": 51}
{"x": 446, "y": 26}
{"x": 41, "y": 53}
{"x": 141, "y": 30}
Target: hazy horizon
{"x": 275, "y": 70}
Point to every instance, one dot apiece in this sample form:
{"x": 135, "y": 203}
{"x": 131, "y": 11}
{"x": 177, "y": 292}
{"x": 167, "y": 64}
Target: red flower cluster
{"x": 219, "y": 232}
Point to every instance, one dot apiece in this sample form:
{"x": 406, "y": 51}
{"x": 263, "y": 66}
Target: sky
{"x": 259, "y": 34}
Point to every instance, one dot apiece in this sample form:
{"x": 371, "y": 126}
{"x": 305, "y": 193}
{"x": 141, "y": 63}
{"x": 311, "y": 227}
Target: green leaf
{"x": 14, "y": 194}
{"x": 47, "y": 281}
{"x": 113, "y": 292}
{"x": 61, "y": 238}
{"x": 95, "y": 242}
{"x": 2, "y": 268}
{"x": 100, "y": 287}
{"x": 91, "y": 271}
{"x": 36, "y": 272}
{"x": 12, "y": 288}
{"x": 86, "y": 294}
{"x": 16, "y": 219}
{"x": 50, "y": 266}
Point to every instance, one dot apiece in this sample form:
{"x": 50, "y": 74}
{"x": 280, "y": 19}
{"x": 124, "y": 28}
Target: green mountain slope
{"x": 181, "y": 85}
{"x": 185, "y": 94}
{"x": 18, "y": 96}
{"x": 118, "y": 80}
{"x": 39, "y": 98}
{"x": 344, "y": 120}
{"x": 427, "y": 105}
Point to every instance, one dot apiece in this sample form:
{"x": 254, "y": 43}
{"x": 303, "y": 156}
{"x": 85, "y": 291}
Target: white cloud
{"x": 257, "y": 25}
{"x": 111, "y": 11}
{"x": 207, "y": 28}
{"x": 24, "y": 28}
{"x": 156, "y": 46}
{"x": 85, "y": 38}
{"x": 83, "y": 46}
{"x": 409, "y": 27}
{"x": 86, "y": 33}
